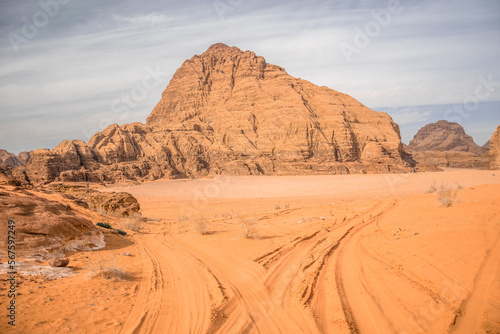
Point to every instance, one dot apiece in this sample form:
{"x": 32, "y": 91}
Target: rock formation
{"x": 445, "y": 144}
{"x": 11, "y": 160}
{"x": 59, "y": 262}
{"x": 229, "y": 112}
{"x": 120, "y": 204}
{"x": 494, "y": 152}
{"x": 44, "y": 227}
{"x": 444, "y": 136}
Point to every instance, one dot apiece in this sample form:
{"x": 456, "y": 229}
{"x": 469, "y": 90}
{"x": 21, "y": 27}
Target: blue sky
{"x": 66, "y": 65}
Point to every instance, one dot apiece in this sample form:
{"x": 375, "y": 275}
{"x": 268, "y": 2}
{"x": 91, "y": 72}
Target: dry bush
{"x": 446, "y": 193}
{"x": 201, "y": 226}
{"x": 249, "y": 226}
{"x": 133, "y": 224}
{"x": 108, "y": 270}
{"x": 432, "y": 188}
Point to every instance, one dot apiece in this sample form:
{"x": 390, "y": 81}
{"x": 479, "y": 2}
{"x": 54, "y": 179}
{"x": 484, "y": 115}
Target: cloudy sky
{"x": 67, "y": 66}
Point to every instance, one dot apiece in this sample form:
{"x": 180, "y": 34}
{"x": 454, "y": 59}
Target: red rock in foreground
{"x": 44, "y": 227}
{"x": 229, "y": 112}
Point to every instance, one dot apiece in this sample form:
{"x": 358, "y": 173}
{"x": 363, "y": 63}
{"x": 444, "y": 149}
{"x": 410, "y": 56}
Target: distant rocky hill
{"x": 445, "y": 144}
{"x": 11, "y": 160}
{"x": 444, "y": 136}
{"x": 230, "y": 112}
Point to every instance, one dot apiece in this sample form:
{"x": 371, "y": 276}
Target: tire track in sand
{"x": 173, "y": 296}
{"x": 474, "y": 305}
{"x": 355, "y": 294}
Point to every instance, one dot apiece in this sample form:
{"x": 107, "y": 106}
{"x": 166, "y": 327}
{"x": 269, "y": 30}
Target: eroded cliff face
{"x": 229, "y": 112}
{"x": 495, "y": 149}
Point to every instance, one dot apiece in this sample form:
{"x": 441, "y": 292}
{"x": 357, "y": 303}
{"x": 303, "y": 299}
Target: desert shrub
{"x": 120, "y": 232}
{"x": 446, "y": 194}
{"x": 104, "y": 225}
{"x": 200, "y": 226}
{"x": 249, "y": 226}
{"x": 432, "y": 188}
{"x": 107, "y": 270}
{"x": 277, "y": 207}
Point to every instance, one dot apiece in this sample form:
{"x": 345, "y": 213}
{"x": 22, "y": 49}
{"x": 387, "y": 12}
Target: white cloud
{"x": 150, "y": 19}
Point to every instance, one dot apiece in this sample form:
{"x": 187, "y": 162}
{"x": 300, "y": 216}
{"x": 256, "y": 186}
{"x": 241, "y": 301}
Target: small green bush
{"x": 104, "y": 225}
{"x": 120, "y": 232}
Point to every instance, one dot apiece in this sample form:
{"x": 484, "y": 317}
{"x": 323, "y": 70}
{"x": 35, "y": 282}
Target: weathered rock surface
{"x": 494, "y": 152}
{"x": 120, "y": 204}
{"x": 455, "y": 159}
{"x": 229, "y": 112}
{"x": 43, "y": 226}
{"x": 6, "y": 178}
{"x": 445, "y": 144}
{"x": 8, "y": 159}
{"x": 444, "y": 136}
{"x": 59, "y": 262}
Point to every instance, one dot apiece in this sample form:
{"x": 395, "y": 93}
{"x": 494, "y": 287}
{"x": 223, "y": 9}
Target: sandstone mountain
{"x": 495, "y": 149}
{"x": 8, "y": 159}
{"x": 445, "y": 144}
{"x": 229, "y": 112}
{"x": 444, "y": 136}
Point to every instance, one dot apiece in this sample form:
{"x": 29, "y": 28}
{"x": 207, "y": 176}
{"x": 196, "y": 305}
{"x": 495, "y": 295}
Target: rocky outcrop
{"x": 230, "y": 112}
{"x": 44, "y": 227}
{"x": 445, "y": 144}
{"x": 59, "y": 262}
{"x": 455, "y": 159}
{"x": 444, "y": 136}
{"x": 119, "y": 204}
{"x": 494, "y": 152}
{"x": 6, "y": 178}
{"x": 11, "y": 160}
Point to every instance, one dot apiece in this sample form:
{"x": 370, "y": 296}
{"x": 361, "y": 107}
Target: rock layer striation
{"x": 230, "y": 112}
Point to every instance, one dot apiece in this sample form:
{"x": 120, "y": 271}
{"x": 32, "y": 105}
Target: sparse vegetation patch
{"x": 446, "y": 194}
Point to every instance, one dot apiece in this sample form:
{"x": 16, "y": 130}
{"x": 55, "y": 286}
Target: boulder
{"x": 59, "y": 262}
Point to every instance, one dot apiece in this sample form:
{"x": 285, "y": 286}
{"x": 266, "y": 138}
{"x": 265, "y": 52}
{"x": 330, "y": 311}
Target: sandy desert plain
{"x": 285, "y": 254}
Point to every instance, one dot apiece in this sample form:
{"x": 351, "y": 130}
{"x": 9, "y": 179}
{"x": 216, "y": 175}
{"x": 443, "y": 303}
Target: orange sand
{"x": 327, "y": 254}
